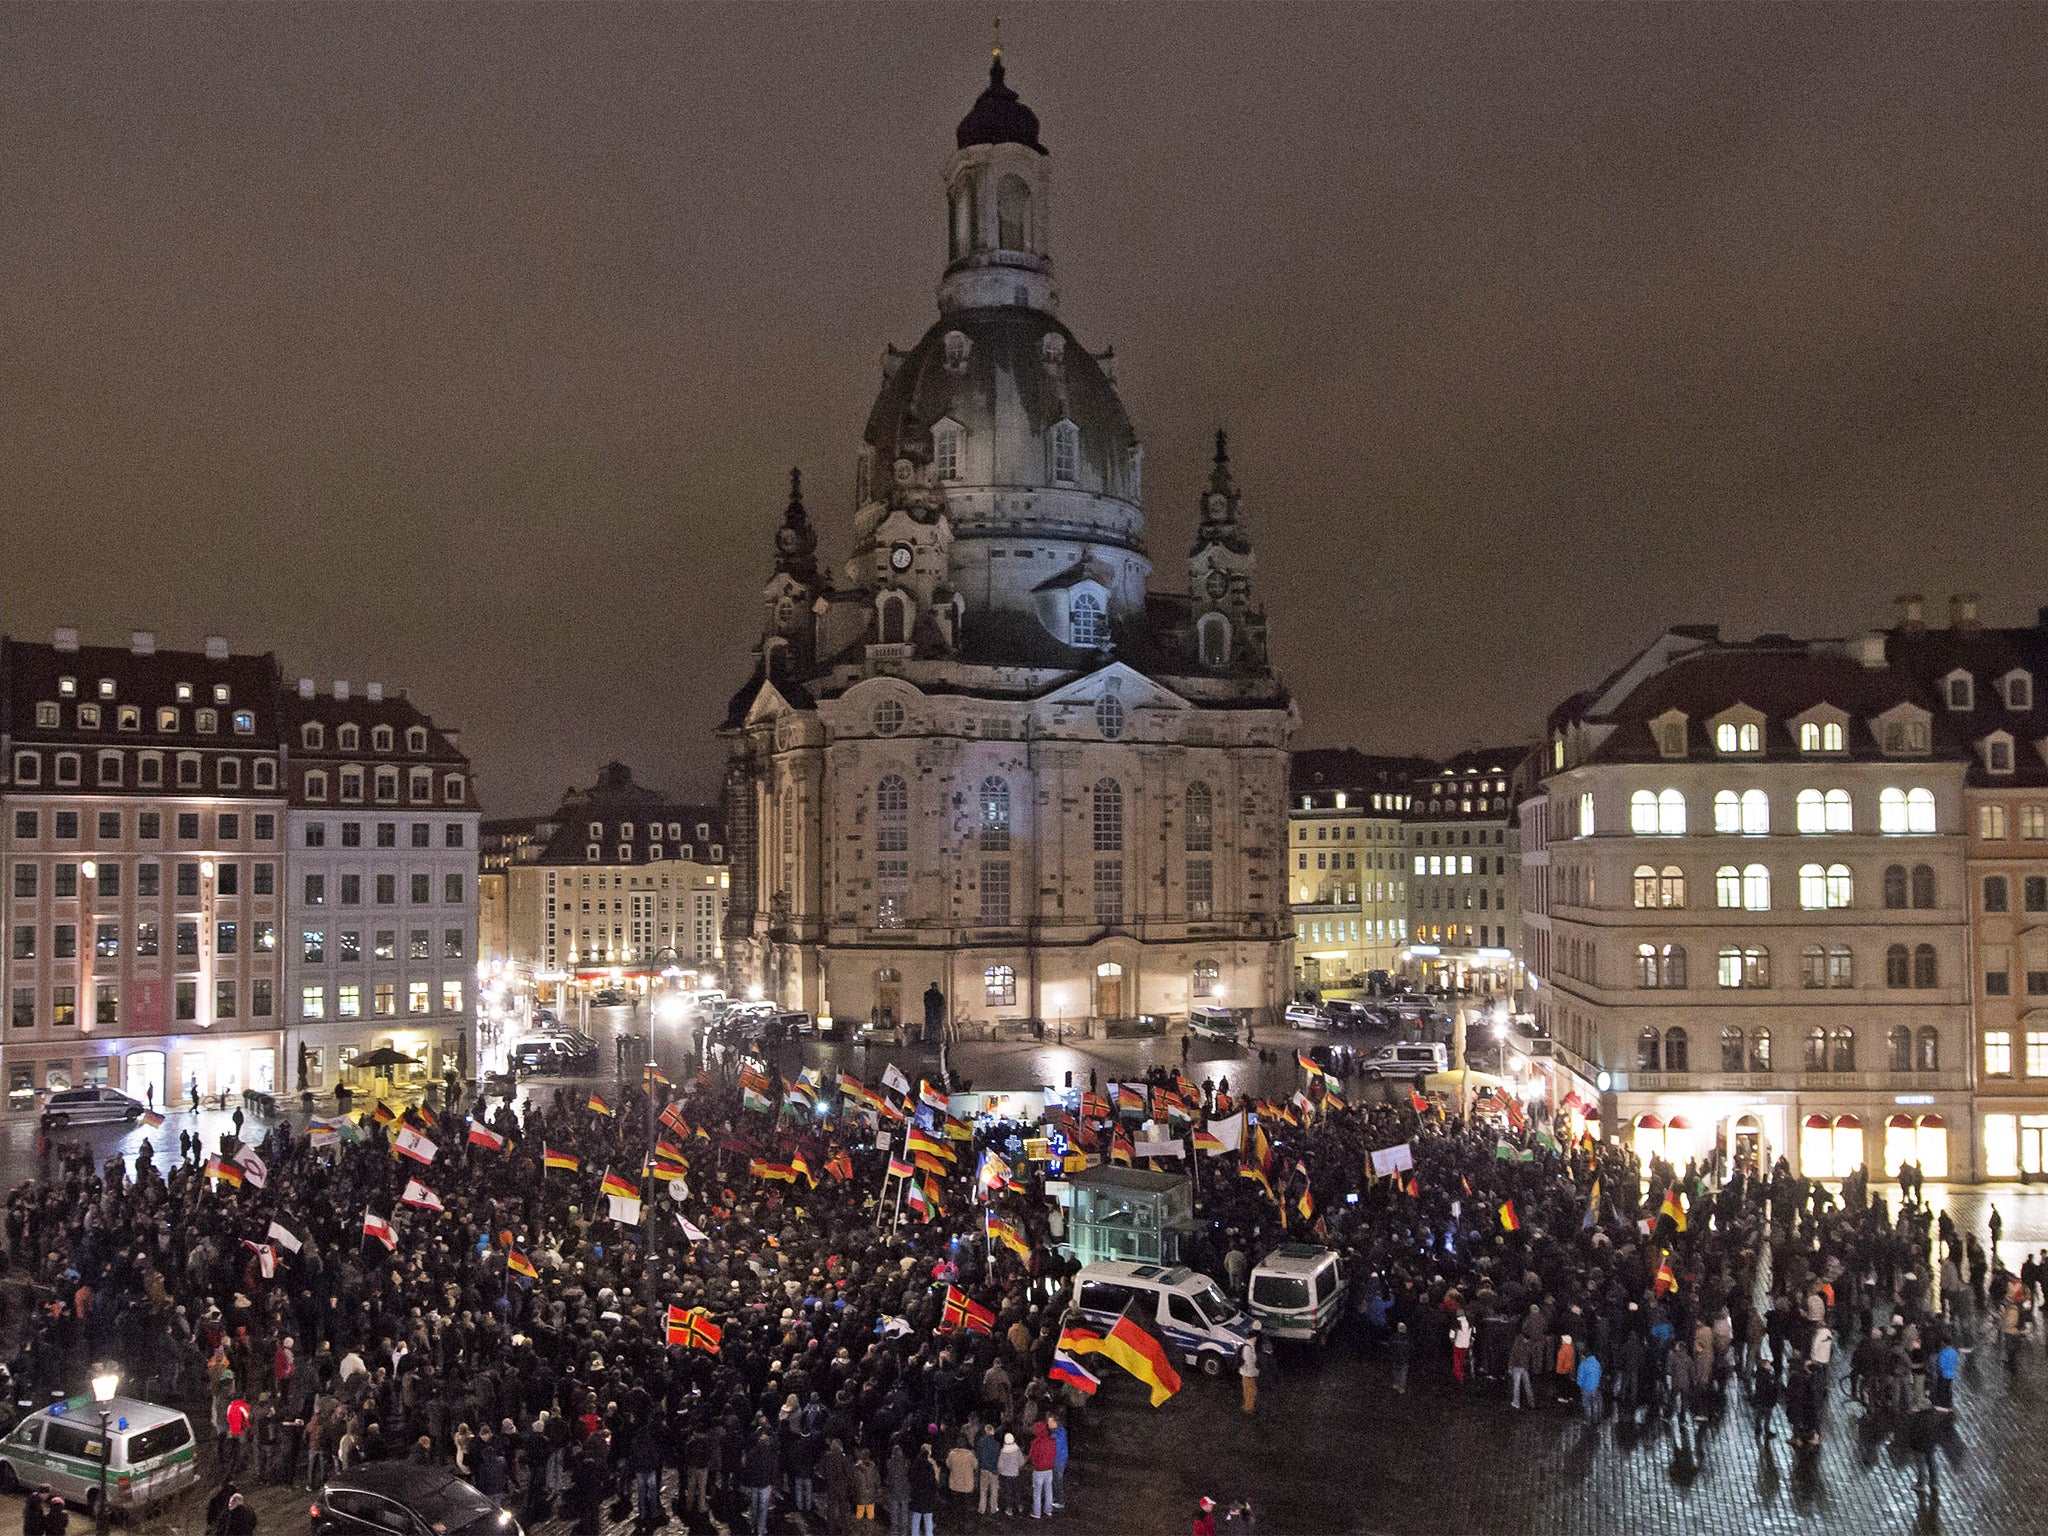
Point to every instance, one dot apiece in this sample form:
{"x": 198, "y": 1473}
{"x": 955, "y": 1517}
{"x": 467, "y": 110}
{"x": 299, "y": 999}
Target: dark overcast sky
{"x": 467, "y": 347}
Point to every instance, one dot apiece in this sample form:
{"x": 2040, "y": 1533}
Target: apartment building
{"x": 143, "y": 826}
{"x": 381, "y": 916}
{"x": 1464, "y": 908}
{"x": 1347, "y": 876}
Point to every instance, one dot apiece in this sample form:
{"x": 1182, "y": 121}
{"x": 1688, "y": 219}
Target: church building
{"x": 984, "y": 751}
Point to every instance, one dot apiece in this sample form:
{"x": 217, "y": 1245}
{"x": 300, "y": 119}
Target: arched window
{"x": 348, "y": 738}
{"x": 1756, "y": 966}
{"x": 1648, "y": 1054}
{"x": 1199, "y": 824}
{"x": 1728, "y": 971}
{"x": 1013, "y": 214}
{"x": 892, "y": 815}
{"x": 1213, "y": 631}
{"x": 1809, "y": 736}
{"x": 1832, "y": 737}
{"x": 1066, "y": 453}
{"x": 1841, "y": 816}
{"x": 1750, "y": 738}
{"x": 995, "y": 815}
{"x": 1899, "y": 1048}
{"x": 1813, "y": 887}
{"x": 1205, "y": 978}
{"x": 1898, "y": 966}
{"x": 1086, "y": 625}
{"x": 1816, "y": 1049}
{"x": 1727, "y": 811}
{"x": 1107, "y": 816}
{"x": 1813, "y": 966}
{"x": 1646, "y": 965}
{"x": 1928, "y": 1057}
{"x": 1676, "y": 1057}
{"x": 1841, "y": 966}
{"x": 1642, "y": 813}
{"x": 1891, "y": 811}
{"x": 1728, "y": 887}
{"x": 1109, "y": 716}
{"x": 1646, "y": 886}
{"x": 1673, "y": 958}
{"x": 381, "y": 738}
{"x": 1919, "y": 810}
{"x": 894, "y": 614}
{"x": 1670, "y": 813}
{"x": 1756, "y": 888}
{"x": 1671, "y": 886}
{"x": 1894, "y": 886}
{"x": 1842, "y": 1049}
{"x": 1923, "y": 886}
{"x": 1926, "y": 972}
{"x": 1732, "y": 1056}
{"x": 1811, "y": 812}
{"x": 1760, "y": 1049}
{"x": 1841, "y": 886}
{"x": 1756, "y": 813}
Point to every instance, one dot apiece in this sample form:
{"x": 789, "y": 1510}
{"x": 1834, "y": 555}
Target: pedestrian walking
{"x": 1248, "y": 1371}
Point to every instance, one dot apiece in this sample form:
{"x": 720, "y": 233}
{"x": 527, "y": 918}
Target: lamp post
{"x": 105, "y": 1383}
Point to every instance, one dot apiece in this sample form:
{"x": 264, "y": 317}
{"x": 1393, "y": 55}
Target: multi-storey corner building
{"x": 1464, "y": 896}
{"x": 983, "y": 753}
{"x": 628, "y": 885}
{"x": 1347, "y": 871}
{"x": 143, "y": 825}
{"x": 381, "y": 904}
{"x": 1749, "y": 907}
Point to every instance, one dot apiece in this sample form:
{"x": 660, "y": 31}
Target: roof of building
{"x": 630, "y": 820}
{"x": 366, "y": 714}
{"x": 32, "y": 671}
{"x": 1314, "y": 769}
{"x": 997, "y": 116}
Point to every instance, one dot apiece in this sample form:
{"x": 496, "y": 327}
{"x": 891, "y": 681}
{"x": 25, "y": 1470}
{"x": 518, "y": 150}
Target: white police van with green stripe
{"x": 153, "y": 1456}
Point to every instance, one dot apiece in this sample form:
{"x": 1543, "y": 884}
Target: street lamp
{"x": 105, "y": 1383}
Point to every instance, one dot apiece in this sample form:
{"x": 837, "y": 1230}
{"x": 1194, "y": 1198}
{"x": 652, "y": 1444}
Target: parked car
{"x": 151, "y": 1455}
{"x": 1409, "y": 1060}
{"x": 609, "y": 997}
{"x": 1303, "y": 1016}
{"x": 383, "y": 1497}
{"x": 554, "y": 1055}
{"x": 1297, "y": 1291}
{"x": 1213, "y": 1022}
{"x": 89, "y": 1106}
{"x": 1183, "y": 1307}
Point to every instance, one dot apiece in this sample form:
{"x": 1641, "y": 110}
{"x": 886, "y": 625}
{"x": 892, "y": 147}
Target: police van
{"x": 1297, "y": 1291}
{"x": 1205, "y": 1327}
{"x": 151, "y": 1456}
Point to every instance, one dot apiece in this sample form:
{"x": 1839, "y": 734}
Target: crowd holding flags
{"x": 1130, "y": 1345}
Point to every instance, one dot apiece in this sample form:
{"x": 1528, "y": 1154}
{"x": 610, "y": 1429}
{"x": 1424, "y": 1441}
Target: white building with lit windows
{"x": 380, "y": 939}
{"x": 983, "y": 752}
{"x": 1348, "y": 863}
{"x": 1748, "y": 912}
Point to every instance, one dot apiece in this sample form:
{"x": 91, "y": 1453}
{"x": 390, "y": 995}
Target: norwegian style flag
{"x": 962, "y": 1311}
{"x": 376, "y": 1226}
{"x": 412, "y": 1144}
{"x": 417, "y": 1194}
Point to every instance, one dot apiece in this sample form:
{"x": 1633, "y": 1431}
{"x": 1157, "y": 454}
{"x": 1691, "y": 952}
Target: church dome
{"x": 998, "y": 117}
{"x": 1006, "y": 378}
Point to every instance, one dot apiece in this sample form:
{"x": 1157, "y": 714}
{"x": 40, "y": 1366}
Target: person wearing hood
{"x": 1010, "y": 1464}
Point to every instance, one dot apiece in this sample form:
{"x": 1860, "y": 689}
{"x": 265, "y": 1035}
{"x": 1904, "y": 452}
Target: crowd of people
{"x": 317, "y": 1321}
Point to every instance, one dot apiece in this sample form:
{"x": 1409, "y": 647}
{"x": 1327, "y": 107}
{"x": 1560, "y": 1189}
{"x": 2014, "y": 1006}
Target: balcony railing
{"x": 1791, "y": 1080}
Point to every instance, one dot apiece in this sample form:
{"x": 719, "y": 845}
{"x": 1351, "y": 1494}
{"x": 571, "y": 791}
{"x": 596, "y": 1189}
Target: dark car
{"x": 399, "y": 1498}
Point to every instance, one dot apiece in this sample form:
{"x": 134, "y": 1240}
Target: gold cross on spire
{"x": 997, "y": 51}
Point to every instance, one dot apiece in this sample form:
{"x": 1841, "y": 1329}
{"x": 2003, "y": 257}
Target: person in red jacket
{"x": 1205, "y": 1517}
{"x": 1044, "y": 1456}
{"x": 238, "y": 1436}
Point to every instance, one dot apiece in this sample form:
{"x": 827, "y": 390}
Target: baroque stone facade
{"x": 984, "y": 753}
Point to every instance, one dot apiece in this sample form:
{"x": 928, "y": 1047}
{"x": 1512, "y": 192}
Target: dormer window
{"x": 381, "y": 738}
{"x": 88, "y": 717}
{"x": 1960, "y": 691}
{"x": 2019, "y": 690}
{"x": 1668, "y": 730}
{"x": 1087, "y": 624}
{"x": 625, "y": 831}
{"x": 106, "y": 687}
{"x": 348, "y": 738}
{"x": 206, "y": 721}
{"x": 313, "y": 735}
{"x": 596, "y": 830}
{"x": 1739, "y": 734}
{"x": 316, "y": 785}
{"x": 1998, "y": 752}
{"x": 184, "y": 693}
{"x": 46, "y": 714}
{"x": 946, "y": 450}
{"x": 67, "y": 687}
{"x": 416, "y": 738}
{"x": 1903, "y": 731}
{"x": 128, "y": 717}
{"x": 220, "y": 693}
{"x": 958, "y": 346}
{"x": 1066, "y": 453}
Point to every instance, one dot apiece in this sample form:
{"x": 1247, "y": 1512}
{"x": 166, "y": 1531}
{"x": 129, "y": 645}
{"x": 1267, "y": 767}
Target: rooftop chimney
{"x": 341, "y": 688}
{"x": 374, "y": 692}
{"x": 305, "y": 688}
{"x": 142, "y": 642}
{"x": 216, "y": 648}
{"x": 1962, "y": 611}
{"x": 66, "y": 639}
{"x": 1912, "y": 611}
{"x": 1870, "y": 649}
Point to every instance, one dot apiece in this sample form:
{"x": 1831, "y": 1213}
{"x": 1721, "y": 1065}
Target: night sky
{"x": 467, "y": 348}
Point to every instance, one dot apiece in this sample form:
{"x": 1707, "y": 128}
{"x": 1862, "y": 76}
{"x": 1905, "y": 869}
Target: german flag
{"x": 653, "y": 1074}
{"x": 1258, "y": 1177}
{"x": 666, "y": 1151}
{"x": 962, "y": 1311}
{"x": 383, "y": 1114}
{"x": 801, "y": 1164}
{"x": 1414, "y": 1187}
{"x": 1120, "y": 1150}
{"x": 1006, "y": 1233}
{"x": 152, "y": 1119}
{"x": 424, "y": 1113}
{"x": 1510, "y": 1219}
{"x": 667, "y": 1173}
{"x": 1673, "y": 1207}
{"x": 1306, "y": 1205}
{"x": 918, "y": 1141}
{"x": 957, "y": 1129}
{"x": 1130, "y": 1346}
{"x": 931, "y": 1195}
{"x": 226, "y": 1172}
{"x": 1666, "y": 1280}
{"x": 550, "y": 1158}
{"x": 762, "y": 1168}
{"x": 1206, "y": 1142}
{"x": 597, "y": 1105}
{"x": 1309, "y": 1064}
{"x": 1262, "y": 1149}
{"x": 618, "y": 1188}
{"x": 840, "y": 1166}
{"x": 519, "y": 1264}
{"x": 930, "y": 1164}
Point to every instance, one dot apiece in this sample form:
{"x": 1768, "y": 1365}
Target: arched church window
{"x": 1109, "y": 716}
{"x": 1200, "y": 821}
{"x": 892, "y": 815}
{"x": 1066, "y": 453}
{"x": 1013, "y": 214}
{"x": 946, "y": 452}
{"x": 960, "y": 218}
{"x": 995, "y": 815}
{"x": 1214, "y": 633}
{"x": 1086, "y": 622}
{"x": 895, "y": 617}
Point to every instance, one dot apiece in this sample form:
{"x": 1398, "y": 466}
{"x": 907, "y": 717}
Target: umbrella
{"x": 383, "y": 1059}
